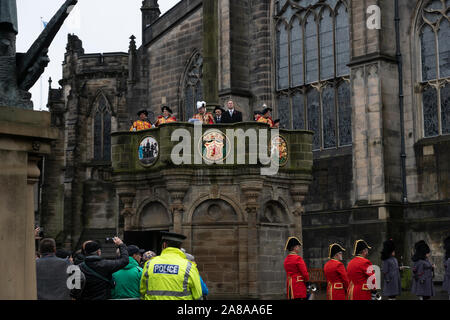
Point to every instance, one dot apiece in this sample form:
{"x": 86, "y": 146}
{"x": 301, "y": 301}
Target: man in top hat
{"x": 231, "y": 115}
{"x": 392, "y": 283}
{"x": 202, "y": 115}
{"x": 142, "y": 123}
{"x": 334, "y": 270}
{"x": 360, "y": 273}
{"x": 423, "y": 272}
{"x": 296, "y": 271}
{"x": 171, "y": 276}
{"x": 266, "y": 116}
{"x": 166, "y": 116}
{"x": 218, "y": 115}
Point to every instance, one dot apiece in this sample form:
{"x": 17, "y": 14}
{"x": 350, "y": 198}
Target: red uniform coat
{"x": 359, "y": 270}
{"x": 337, "y": 280}
{"x": 297, "y": 275}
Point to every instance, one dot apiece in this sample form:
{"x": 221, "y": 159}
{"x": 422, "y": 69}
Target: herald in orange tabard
{"x": 359, "y": 270}
{"x": 140, "y": 125}
{"x": 205, "y": 118}
{"x": 162, "y": 120}
{"x": 337, "y": 280}
{"x": 267, "y": 120}
{"x": 297, "y": 275}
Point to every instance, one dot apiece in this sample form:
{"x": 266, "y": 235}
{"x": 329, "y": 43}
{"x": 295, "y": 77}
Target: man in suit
{"x": 218, "y": 115}
{"x": 231, "y": 115}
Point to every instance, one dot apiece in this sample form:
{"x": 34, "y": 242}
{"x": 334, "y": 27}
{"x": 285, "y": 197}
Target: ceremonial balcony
{"x": 218, "y": 185}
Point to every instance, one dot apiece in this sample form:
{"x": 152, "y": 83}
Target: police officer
{"x": 335, "y": 273}
{"x": 360, "y": 273}
{"x": 170, "y": 276}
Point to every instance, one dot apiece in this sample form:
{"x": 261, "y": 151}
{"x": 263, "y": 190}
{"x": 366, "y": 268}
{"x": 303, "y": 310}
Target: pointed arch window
{"x": 312, "y": 76}
{"x": 102, "y": 130}
{"x": 192, "y": 86}
{"x": 434, "y": 34}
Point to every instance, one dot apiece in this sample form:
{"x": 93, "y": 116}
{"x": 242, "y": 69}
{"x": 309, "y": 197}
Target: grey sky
{"x": 102, "y": 25}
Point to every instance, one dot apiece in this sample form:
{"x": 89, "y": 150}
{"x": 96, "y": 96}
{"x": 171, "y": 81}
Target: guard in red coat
{"x": 334, "y": 270}
{"x": 361, "y": 273}
{"x": 296, "y": 271}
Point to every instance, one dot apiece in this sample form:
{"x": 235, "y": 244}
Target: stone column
{"x": 211, "y": 53}
{"x": 24, "y": 137}
{"x": 298, "y": 193}
{"x": 252, "y": 190}
{"x": 128, "y": 211}
{"x": 177, "y": 185}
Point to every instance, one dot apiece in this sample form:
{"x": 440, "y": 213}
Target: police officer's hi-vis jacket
{"x": 170, "y": 276}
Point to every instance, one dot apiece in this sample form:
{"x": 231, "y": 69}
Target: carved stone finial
{"x": 20, "y": 71}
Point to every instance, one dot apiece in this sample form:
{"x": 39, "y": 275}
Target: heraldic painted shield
{"x": 213, "y": 146}
{"x": 278, "y": 144}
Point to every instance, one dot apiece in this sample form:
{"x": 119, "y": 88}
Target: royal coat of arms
{"x": 213, "y": 146}
{"x": 278, "y": 144}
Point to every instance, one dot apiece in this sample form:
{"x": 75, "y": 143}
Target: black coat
{"x": 237, "y": 117}
{"x": 96, "y": 288}
{"x": 216, "y": 119}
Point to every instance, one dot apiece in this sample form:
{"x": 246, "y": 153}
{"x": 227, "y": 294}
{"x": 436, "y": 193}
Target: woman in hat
{"x": 296, "y": 271}
{"x": 446, "y": 282}
{"x": 142, "y": 123}
{"x": 392, "y": 284}
{"x": 423, "y": 272}
{"x": 335, "y": 273}
{"x": 166, "y": 116}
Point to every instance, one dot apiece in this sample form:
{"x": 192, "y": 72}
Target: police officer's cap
{"x": 333, "y": 249}
{"x": 359, "y": 246}
{"x": 172, "y": 236}
{"x": 143, "y": 111}
{"x": 292, "y": 242}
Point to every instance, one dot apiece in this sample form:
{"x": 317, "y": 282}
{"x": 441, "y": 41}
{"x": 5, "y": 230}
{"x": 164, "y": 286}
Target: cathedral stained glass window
{"x": 312, "y": 73}
{"x": 102, "y": 130}
{"x": 193, "y": 86}
{"x": 434, "y": 32}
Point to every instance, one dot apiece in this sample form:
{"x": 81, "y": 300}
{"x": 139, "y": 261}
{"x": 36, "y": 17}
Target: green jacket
{"x": 127, "y": 281}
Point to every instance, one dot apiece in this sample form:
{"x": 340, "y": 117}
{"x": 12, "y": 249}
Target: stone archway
{"x": 154, "y": 215}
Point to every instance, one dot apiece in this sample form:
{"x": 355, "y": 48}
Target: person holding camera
{"x": 98, "y": 271}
